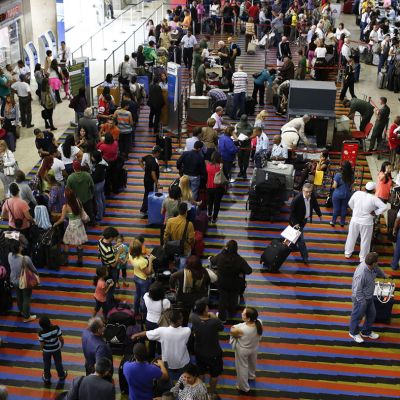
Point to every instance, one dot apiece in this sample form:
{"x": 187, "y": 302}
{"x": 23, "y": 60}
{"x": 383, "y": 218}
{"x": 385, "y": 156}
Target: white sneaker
{"x": 357, "y": 338}
{"x": 348, "y": 255}
{"x": 372, "y": 336}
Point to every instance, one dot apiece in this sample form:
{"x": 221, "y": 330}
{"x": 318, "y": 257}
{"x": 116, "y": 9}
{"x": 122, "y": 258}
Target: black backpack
{"x": 5, "y": 296}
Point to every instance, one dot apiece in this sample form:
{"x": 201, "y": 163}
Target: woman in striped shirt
{"x": 51, "y": 342}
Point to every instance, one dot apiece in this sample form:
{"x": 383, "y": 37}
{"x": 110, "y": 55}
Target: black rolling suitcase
{"x": 275, "y": 255}
{"x": 123, "y": 384}
{"x": 250, "y": 105}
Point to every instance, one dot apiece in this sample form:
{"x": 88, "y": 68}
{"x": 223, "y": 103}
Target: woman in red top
{"x": 394, "y": 138}
{"x": 384, "y": 182}
{"x": 109, "y": 148}
{"x": 214, "y": 192}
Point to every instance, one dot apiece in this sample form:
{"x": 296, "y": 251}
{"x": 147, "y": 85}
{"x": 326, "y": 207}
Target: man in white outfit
{"x": 365, "y": 207}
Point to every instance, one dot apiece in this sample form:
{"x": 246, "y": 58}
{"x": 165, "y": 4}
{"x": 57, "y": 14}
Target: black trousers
{"x": 125, "y": 144}
{"x": 25, "y": 108}
{"x": 227, "y": 168}
{"x": 188, "y": 56}
{"x": 214, "y": 197}
{"x": 148, "y": 187}
{"x": 261, "y": 90}
{"x": 228, "y": 303}
{"x": 347, "y": 85}
{"x": 89, "y": 208}
{"x": 154, "y": 119}
{"x": 243, "y": 159}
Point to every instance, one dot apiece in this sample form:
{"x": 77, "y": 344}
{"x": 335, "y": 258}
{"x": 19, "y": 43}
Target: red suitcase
{"x": 198, "y": 248}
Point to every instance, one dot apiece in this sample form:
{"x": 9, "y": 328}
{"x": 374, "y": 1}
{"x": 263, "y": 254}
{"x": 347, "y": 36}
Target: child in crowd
{"x": 51, "y": 342}
{"x": 122, "y": 252}
{"x": 102, "y": 287}
{"x": 65, "y": 82}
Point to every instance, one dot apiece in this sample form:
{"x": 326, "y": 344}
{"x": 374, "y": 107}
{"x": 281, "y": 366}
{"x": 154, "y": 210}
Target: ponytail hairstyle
{"x": 252, "y": 314}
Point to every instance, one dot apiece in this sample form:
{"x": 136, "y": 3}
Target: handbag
{"x": 220, "y": 178}
{"x": 84, "y": 217}
{"x": 318, "y": 178}
{"x": 176, "y": 247}
{"x": 28, "y": 278}
{"x": 251, "y": 47}
{"x": 233, "y": 342}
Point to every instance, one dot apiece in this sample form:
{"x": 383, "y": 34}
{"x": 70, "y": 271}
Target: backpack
{"x": 48, "y": 101}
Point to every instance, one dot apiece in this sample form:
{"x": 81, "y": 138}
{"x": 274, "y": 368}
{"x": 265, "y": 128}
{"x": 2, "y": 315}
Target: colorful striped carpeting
{"x": 306, "y": 352}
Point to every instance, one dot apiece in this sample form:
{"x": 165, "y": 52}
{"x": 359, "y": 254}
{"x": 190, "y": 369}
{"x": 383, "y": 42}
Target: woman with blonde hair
{"x": 187, "y": 194}
{"x": 261, "y": 120}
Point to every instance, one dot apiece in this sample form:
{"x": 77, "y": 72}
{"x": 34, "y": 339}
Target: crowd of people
{"x": 172, "y": 287}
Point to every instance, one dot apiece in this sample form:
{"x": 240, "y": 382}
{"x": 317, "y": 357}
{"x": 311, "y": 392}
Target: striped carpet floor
{"x": 305, "y": 352}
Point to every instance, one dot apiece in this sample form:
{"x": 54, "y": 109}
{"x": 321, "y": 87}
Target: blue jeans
{"x": 239, "y": 102}
{"x": 57, "y": 362}
{"x": 396, "y": 255}
{"x": 361, "y": 309}
{"x": 174, "y": 375}
{"x": 100, "y": 200}
{"x": 382, "y": 60}
{"x": 142, "y": 287}
{"x": 194, "y": 185}
{"x": 339, "y": 209}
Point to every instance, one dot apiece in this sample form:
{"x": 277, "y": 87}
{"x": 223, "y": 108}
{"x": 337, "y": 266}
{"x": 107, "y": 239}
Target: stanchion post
{"x": 113, "y": 55}
{"x": 122, "y": 23}
{"x": 91, "y": 50}
{"x": 234, "y": 25}
{"x": 105, "y": 69}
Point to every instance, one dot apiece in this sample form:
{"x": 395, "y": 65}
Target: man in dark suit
{"x": 301, "y": 211}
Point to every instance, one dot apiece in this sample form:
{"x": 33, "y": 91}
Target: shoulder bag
{"x": 176, "y": 247}
{"x": 220, "y": 178}
{"x": 28, "y": 278}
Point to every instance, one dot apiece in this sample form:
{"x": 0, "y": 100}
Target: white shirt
{"x": 320, "y": 52}
{"x": 68, "y": 55}
{"x": 362, "y": 204}
{"x": 190, "y": 143}
{"x": 218, "y": 121}
{"x": 320, "y": 33}
{"x": 239, "y": 80}
{"x": 214, "y": 10}
{"x": 189, "y": 41}
{"x": 74, "y": 151}
{"x": 374, "y": 36}
{"x": 308, "y": 208}
{"x": 339, "y": 32}
{"x": 262, "y": 142}
{"x": 173, "y": 344}
{"x": 21, "y": 71}
{"x": 154, "y": 308}
{"x": 58, "y": 167}
{"x": 279, "y": 151}
{"x": 346, "y": 51}
{"x": 22, "y": 88}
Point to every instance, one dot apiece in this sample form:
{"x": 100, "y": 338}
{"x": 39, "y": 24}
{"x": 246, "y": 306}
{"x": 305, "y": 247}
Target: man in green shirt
{"x": 365, "y": 108}
{"x": 200, "y": 79}
{"x": 81, "y": 183}
{"x": 4, "y": 90}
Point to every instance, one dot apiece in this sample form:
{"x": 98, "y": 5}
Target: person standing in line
{"x": 151, "y": 169}
{"x": 348, "y": 80}
{"x": 156, "y": 103}
{"x": 94, "y": 346}
{"x": 48, "y": 101}
{"x": 365, "y": 207}
{"x": 51, "y": 342}
{"x": 173, "y": 339}
{"x": 209, "y": 357}
{"x": 362, "y": 288}
{"x": 16, "y": 259}
{"x": 341, "y": 186}
{"x": 188, "y": 41}
{"x": 192, "y": 164}
{"x": 384, "y": 182}
{"x": 140, "y": 374}
{"x": 75, "y": 233}
{"x": 301, "y": 211}
{"x": 214, "y": 192}
{"x": 125, "y": 124}
{"x": 245, "y": 338}
{"x": 381, "y": 122}
{"x": 228, "y": 150}
{"x": 4, "y": 90}
{"x": 24, "y": 93}
{"x": 231, "y": 272}
{"x": 239, "y": 80}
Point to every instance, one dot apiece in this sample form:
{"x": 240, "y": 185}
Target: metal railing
{"x": 87, "y": 47}
{"x": 138, "y": 37}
